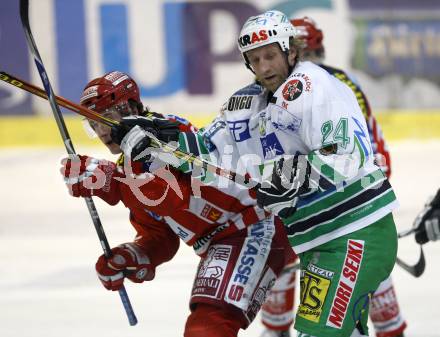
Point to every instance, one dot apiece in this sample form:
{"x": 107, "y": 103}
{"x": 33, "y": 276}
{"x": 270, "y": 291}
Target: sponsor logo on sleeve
{"x": 239, "y": 130}
{"x": 210, "y": 133}
{"x": 202, "y": 244}
{"x": 346, "y": 284}
{"x": 306, "y": 79}
{"x": 211, "y": 213}
{"x": 292, "y": 90}
{"x": 239, "y": 102}
{"x": 315, "y": 283}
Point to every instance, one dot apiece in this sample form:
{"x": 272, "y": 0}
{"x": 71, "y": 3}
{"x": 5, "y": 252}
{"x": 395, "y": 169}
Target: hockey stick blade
{"x": 24, "y": 15}
{"x": 417, "y": 269}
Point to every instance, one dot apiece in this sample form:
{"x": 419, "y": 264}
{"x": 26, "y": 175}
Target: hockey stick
{"x": 93, "y": 115}
{"x": 37, "y": 91}
{"x": 24, "y": 15}
{"x": 406, "y": 232}
{"x": 417, "y": 269}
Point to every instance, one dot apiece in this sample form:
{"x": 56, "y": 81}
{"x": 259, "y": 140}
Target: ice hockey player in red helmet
{"x": 242, "y": 248}
{"x": 115, "y": 95}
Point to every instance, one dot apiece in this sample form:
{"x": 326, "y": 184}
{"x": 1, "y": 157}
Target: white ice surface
{"x": 48, "y": 248}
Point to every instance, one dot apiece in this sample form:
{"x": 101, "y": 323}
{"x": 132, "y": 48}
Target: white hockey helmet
{"x": 269, "y": 27}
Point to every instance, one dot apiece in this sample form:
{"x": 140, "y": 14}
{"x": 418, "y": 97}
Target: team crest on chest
{"x": 292, "y": 90}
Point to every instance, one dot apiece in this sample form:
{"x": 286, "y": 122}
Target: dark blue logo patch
{"x": 239, "y": 129}
{"x": 271, "y": 146}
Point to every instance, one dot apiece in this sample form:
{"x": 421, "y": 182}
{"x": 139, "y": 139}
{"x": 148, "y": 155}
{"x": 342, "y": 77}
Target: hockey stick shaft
{"x": 61, "y": 101}
{"x": 406, "y": 232}
{"x": 187, "y": 157}
{"x": 24, "y": 15}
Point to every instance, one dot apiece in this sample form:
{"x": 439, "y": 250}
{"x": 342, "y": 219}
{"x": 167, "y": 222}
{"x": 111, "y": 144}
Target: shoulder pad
{"x": 242, "y": 99}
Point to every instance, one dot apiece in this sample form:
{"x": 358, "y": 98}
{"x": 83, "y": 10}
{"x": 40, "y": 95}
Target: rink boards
{"x": 42, "y": 131}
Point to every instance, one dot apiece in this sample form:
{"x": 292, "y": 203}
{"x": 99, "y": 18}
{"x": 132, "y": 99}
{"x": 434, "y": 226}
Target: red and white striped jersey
{"x": 197, "y": 213}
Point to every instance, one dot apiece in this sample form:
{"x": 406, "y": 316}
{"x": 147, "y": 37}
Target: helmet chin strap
{"x": 248, "y": 65}
{"x": 250, "y": 68}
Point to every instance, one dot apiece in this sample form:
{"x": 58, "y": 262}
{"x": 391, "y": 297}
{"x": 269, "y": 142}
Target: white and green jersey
{"x": 314, "y": 114}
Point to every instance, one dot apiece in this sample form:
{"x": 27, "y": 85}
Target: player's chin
{"x": 272, "y": 84}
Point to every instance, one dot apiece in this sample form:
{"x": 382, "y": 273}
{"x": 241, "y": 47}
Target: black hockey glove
{"x": 428, "y": 221}
{"x": 134, "y": 134}
{"x": 289, "y": 180}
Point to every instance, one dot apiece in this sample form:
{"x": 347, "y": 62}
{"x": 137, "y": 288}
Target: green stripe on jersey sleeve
{"x": 345, "y": 219}
{"x": 336, "y": 197}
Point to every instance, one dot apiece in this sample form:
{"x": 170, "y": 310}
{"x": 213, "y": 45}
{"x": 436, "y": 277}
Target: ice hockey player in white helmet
{"x": 385, "y": 312}
{"x": 303, "y": 135}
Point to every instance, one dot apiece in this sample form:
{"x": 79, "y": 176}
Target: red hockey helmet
{"x": 114, "y": 88}
{"x": 308, "y": 32}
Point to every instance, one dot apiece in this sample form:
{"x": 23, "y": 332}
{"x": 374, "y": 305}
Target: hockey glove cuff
{"x": 128, "y": 260}
{"x": 134, "y": 134}
{"x": 289, "y": 180}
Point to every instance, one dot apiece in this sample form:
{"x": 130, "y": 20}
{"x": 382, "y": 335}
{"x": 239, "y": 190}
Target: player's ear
{"x": 291, "y": 57}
